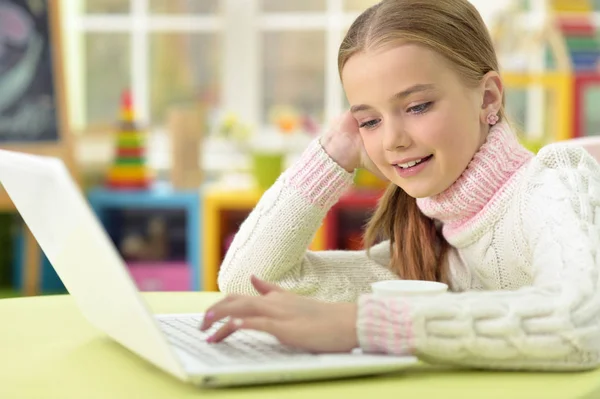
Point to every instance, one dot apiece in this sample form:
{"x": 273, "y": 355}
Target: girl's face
{"x": 420, "y": 124}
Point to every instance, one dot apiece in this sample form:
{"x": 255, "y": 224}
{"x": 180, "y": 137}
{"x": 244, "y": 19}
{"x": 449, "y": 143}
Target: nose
{"x": 394, "y": 136}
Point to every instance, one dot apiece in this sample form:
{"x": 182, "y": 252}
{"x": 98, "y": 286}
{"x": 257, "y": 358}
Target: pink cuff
{"x": 317, "y": 177}
{"x": 384, "y": 325}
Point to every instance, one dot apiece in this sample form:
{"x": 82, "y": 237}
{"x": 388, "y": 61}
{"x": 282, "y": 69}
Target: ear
{"x": 493, "y": 90}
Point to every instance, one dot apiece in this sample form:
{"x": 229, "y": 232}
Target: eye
{"x": 369, "y": 124}
{"x": 421, "y": 108}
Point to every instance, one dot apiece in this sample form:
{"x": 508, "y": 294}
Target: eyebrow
{"x": 398, "y": 96}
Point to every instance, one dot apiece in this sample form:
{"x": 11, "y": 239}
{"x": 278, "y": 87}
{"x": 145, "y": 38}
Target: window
{"x": 358, "y": 5}
{"x": 293, "y": 71}
{"x": 107, "y": 65}
{"x": 192, "y": 7}
{"x": 244, "y": 56}
{"x": 293, "y": 5}
{"x": 106, "y": 6}
{"x": 184, "y": 67}
{"x": 164, "y": 51}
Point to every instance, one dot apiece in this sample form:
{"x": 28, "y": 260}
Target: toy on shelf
{"x": 575, "y": 21}
{"x": 154, "y": 246}
{"x": 129, "y": 170}
{"x": 230, "y": 126}
{"x": 581, "y": 38}
{"x": 578, "y": 6}
{"x": 186, "y": 127}
{"x": 285, "y": 118}
{"x": 515, "y": 42}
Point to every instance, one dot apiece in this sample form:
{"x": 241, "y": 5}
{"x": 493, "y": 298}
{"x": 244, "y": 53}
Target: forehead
{"x": 384, "y": 72}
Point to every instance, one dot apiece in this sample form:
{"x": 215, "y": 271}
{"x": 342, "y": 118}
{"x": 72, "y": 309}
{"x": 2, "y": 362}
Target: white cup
{"x": 397, "y": 288}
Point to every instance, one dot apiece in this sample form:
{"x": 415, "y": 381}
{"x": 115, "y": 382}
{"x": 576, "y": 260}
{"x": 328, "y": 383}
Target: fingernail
{"x": 210, "y": 339}
{"x": 237, "y": 322}
{"x": 205, "y": 321}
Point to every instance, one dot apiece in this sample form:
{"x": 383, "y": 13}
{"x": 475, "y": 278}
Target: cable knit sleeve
{"x": 553, "y": 324}
{"x": 272, "y": 242}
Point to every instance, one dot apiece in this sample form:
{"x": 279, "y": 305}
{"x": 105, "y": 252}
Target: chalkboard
{"x": 29, "y": 92}
{"x": 33, "y": 115}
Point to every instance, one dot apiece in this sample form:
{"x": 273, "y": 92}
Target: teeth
{"x": 409, "y": 164}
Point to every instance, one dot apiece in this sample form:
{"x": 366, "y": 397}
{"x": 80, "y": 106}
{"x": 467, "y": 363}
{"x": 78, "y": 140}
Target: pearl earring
{"x": 492, "y": 119}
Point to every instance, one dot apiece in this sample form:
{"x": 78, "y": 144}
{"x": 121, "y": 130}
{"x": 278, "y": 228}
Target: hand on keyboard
{"x": 248, "y": 347}
{"x": 294, "y": 320}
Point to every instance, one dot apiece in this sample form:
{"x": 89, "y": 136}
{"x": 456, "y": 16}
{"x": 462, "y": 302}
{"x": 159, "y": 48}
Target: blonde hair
{"x": 455, "y": 30}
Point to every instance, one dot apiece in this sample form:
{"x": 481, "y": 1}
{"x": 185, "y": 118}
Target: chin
{"x": 420, "y": 190}
{"x": 414, "y": 191}
{"x": 420, "y": 193}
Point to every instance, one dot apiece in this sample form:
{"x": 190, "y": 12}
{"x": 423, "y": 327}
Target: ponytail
{"x": 418, "y": 250}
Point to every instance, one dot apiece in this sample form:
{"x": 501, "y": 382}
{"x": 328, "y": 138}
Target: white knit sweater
{"x": 524, "y": 263}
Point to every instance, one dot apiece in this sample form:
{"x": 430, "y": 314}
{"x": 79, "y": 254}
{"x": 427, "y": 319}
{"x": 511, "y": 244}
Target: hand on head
{"x": 343, "y": 143}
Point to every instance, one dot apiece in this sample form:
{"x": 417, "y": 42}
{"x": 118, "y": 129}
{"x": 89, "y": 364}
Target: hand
{"x": 344, "y": 145}
{"x": 294, "y": 320}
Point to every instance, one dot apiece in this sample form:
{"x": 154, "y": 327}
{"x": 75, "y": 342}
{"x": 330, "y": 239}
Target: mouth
{"x": 412, "y": 164}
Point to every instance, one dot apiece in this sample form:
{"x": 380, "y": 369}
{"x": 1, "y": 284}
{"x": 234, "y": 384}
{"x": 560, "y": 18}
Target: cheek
{"x": 456, "y": 148}
{"x": 373, "y": 147}
{"x": 447, "y": 131}
{"x": 435, "y": 130}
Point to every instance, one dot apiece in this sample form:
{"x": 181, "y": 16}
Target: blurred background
{"x": 174, "y": 116}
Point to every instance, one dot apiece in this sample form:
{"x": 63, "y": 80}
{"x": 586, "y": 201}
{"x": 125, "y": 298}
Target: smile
{"x": 413, "y": 163}
{"x": 412, "y": 168}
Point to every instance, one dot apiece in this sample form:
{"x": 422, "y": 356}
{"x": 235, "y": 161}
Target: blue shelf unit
{"x": 160, "y": 196}
{"x": 103, "y": 201}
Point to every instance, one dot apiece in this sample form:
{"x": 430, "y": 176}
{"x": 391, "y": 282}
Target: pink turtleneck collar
{"x": 491, "y": 167}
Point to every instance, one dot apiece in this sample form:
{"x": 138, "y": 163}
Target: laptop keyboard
{"x": 242, "y": 347}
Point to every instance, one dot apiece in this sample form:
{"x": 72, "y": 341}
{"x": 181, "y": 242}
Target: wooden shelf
{"x": 5, "y": 202}
{"x": 560, "y": 84}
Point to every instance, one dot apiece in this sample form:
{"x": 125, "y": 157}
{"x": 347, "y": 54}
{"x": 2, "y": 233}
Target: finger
{"x": 209, "y": 314}
{"x": 263, "y": 287}
{"x": 229, "y": 328}
{"x": 335, "y": 121}
{"x": 348, "y": 123}
{"x": 240, "y": 308}
{"x": 263, "y": 324}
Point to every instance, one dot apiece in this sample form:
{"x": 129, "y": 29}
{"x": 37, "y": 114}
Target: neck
{"x": 498, "y": 159}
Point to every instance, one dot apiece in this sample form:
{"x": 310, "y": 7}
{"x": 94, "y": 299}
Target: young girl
{"x": 516, "y": 236}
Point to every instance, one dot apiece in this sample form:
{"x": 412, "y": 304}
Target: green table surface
{"x": 49, "y": 351}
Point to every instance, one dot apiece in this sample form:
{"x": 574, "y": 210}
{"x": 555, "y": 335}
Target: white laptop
{"x": 91, "y": 269}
